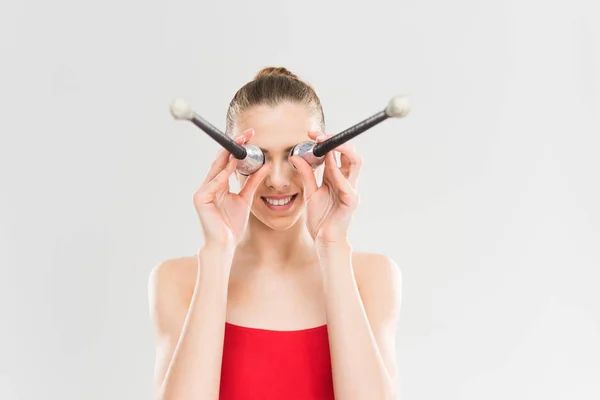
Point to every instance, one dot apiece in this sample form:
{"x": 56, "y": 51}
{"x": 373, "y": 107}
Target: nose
{"x": 280, "y": 175}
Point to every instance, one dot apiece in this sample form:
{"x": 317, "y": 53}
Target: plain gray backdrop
{"x": 486, "y": 195}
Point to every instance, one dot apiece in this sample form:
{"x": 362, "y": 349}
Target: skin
{"x": 301, "y": 256}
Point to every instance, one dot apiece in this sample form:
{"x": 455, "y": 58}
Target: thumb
{"x": 306, "y": 173}
{"x": 252, "y": 183}
{"x": 219, "y": 183}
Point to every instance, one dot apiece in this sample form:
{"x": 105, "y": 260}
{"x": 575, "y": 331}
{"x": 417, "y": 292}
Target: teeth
{"x": 280, "y": 202}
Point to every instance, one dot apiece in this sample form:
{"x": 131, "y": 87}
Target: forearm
{"x": 194, "y": 372}
{"x": 358, "y": 368}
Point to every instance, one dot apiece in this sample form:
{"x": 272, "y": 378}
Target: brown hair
{"x": 272, "y": 86}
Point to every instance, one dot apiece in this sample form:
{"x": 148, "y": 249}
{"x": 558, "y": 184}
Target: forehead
{"x": 277, "y": 128}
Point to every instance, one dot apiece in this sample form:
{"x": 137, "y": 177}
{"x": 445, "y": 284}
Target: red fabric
{"x": 265, "y": 364}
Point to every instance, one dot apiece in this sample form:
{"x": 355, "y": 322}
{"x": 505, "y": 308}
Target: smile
{"x": 279, "y": 203}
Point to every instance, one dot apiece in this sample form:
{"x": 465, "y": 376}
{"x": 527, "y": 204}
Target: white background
{"x": 487, "y": 195}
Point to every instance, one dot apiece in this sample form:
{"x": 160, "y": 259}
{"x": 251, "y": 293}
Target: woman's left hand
{"x": 330, "y": 206}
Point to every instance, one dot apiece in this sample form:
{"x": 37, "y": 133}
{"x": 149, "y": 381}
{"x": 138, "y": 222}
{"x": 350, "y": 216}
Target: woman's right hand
{"x": 223, "y": 214}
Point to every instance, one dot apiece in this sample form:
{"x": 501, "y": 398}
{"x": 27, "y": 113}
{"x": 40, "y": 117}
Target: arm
{"x": 362, "y": 325}
{"x": 189, "y": 335}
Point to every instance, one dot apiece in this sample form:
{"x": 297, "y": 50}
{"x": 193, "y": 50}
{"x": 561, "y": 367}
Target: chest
{"x": 277, "y": 301}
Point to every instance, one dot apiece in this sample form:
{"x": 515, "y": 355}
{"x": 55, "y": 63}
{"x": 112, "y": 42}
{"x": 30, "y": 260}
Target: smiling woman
{"x": 276, "y": 129}
{"x": 276, "y": 304}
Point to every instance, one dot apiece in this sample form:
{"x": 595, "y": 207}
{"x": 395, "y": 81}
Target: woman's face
{"x": 279, "y": 200}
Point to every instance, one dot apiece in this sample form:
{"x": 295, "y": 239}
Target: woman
{"x": 276, "y": 304}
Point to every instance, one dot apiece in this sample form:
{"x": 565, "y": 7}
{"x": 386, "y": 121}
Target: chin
{"x": 277, "y": 224}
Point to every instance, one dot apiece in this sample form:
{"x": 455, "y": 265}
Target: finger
{"x": 207, "y": 192}
{"x": 307, "y": 174}
{"x": 335, "y": 176}
{"x": 313, "y": 135}
{"x": 217, "y": 165}
{"x": 331, "y": 165}
{"x": 247, "y": 135}
{"x": 223, "y": 176}
{"x": 321, "y": 137}
{"x": 350, "y": 163}
{"x": 222, "y": 158}
{"x": 252, "y": 183}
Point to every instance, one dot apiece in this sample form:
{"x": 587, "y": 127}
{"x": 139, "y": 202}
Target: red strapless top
{"x": 275, "y": 365}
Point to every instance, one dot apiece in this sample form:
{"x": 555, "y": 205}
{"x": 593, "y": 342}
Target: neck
{"x": 265, "y": 247}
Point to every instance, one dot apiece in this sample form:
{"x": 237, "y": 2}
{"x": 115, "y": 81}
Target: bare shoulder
{"x": 170, "y": 290}
{"x": 172, "y": 281}
{"x": 379, "y": 282}
{"x": 375, "y": 268}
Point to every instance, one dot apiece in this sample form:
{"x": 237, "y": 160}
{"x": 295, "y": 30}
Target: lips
{"x": 279, "y": 203}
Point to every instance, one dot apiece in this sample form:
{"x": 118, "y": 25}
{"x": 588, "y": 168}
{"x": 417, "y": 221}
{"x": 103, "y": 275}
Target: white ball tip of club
{"x": 180, "y": 109}
{"x": 398, "y": 107}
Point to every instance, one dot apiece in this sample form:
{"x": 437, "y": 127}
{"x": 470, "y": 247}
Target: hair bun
{"x": 275, "y": 71}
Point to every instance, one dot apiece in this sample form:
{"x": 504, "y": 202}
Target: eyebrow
{"x": 287, "y": 149}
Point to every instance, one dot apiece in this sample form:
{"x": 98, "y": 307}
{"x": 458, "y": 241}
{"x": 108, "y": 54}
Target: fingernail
{"x": 322, "y": 137}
